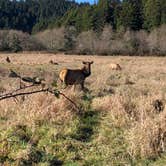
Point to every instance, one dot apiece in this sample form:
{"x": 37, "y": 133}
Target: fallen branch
{"x": 22, "y": 88}
{"x": 56, "y": 93}
{"x": 22, "y": 94}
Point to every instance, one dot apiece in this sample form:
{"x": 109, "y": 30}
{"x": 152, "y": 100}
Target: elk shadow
{"x": 86, "y": 127}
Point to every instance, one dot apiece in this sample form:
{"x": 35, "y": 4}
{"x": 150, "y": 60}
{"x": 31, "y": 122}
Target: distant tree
{"x": 70, "y": 38}
{"x": 131, "y": 14}
{"x": 24, "y": 14}
{"x": 154, "y": 13}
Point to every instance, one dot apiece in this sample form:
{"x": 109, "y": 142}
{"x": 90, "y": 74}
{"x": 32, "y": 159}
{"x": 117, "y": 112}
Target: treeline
{"x": 127, "y": 14}
{"x": 37, "y": 15}
{"x": 27, "y": 15}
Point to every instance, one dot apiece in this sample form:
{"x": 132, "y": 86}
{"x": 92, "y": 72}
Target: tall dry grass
{"x": 28, "y": 110}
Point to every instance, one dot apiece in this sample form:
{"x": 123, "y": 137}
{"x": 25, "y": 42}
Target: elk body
{"x": 115, "y": 66}
{"x": 76, "y": 76}
{"x": 8, "y": 60}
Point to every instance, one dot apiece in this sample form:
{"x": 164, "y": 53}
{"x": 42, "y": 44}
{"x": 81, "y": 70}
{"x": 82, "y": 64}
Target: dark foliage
{"x": 38, "y": 15}
{"x": 24, "y": 15}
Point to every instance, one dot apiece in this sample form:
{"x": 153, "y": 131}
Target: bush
{"x": 86, "y": 43}
{"x": 14, "y": 41}
{"x": 52, "y": 39}
{"x": 108, "y": 42}
{"x": 124, "y": 43}
{"x": 157, "y": 41}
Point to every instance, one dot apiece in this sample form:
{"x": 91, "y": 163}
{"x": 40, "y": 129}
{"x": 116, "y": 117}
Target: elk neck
{"x": 86, "y": 70}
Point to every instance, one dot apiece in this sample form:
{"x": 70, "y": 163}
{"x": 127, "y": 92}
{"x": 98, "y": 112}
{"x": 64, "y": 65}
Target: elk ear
{"x": 91, "y": 62}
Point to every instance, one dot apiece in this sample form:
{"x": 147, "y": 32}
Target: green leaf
{"x": 56, "y": 93}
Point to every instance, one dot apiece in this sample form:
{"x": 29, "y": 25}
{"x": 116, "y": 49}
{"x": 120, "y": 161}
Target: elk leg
{"x": 82, "y": 85}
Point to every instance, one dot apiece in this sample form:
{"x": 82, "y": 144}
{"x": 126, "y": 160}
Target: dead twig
{"x": 16, "y": 90}
{"x": 56, "y": 93}
{"x": 23, "y": 93}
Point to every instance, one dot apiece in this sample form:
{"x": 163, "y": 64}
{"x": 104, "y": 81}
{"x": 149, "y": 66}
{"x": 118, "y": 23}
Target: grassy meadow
{"x": 118, "y": 125}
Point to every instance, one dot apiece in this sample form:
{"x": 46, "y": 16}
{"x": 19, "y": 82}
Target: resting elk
{"x": 115, "y": 66}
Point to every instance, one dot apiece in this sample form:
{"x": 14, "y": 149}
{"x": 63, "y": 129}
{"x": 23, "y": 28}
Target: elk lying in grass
{"x": 115, "y": 66}
{"x": 76, "y": 76}
{"x": 53, "y": 62}
{"x": 8, "y": 60}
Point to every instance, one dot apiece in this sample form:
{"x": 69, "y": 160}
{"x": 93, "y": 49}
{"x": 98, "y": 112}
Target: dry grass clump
{"x": 44, "y": 107}
{"x": 111, "y": 106}
{"x": 147, "y": 137}
{"x": 144, "y": 126}
{"x": 100, "y": 86}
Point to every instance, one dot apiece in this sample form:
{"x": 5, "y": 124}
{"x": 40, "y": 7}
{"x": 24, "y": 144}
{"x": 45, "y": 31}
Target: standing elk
{"x": 76, "y": 76}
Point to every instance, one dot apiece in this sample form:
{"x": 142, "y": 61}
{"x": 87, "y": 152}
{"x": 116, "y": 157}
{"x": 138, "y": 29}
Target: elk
{"x": 53, "y": 63}
{"x": 76, "y": 76}
{"x": 115, "y": 66}
{"x": 8, "y": 60}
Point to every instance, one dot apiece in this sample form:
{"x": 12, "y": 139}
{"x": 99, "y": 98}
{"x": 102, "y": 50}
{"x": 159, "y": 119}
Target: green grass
{"x": 46, "y": 145}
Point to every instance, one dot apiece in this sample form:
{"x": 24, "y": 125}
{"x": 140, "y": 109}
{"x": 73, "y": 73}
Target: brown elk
{"x": 8, "y": 60}
{"x": 76, "y": 76}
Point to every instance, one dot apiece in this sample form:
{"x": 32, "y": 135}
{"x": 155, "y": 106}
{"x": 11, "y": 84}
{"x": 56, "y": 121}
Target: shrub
{"x": 157, "y": 41}
{"x": 14, "y": 41}
{"x": 52, "y": 39}
{"x": 86, "y": 43}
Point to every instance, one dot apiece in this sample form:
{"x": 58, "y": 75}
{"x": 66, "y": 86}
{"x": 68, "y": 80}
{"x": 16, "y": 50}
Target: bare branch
{"x": 23, "y": 93}
{"x": 21, "y": 88}
{"x": 14, "y": 94}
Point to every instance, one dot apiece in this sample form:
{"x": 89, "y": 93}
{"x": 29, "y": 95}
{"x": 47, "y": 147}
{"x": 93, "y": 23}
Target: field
{"x": 122, "y": 119}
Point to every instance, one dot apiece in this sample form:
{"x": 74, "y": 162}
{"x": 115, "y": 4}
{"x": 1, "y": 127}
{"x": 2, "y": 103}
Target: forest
{"x": 37, "y": 15}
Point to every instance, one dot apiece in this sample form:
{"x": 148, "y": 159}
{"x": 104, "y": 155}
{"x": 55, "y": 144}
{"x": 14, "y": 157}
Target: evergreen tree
{"x": 24, "y": 14}
{"x": 70, "y": 38}
{"x": 154, "y": 13}
{"x": 131, "y": 14}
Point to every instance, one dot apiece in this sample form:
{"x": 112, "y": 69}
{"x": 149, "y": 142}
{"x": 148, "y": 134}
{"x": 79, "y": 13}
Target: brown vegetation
{"x": 108, "y": 42}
